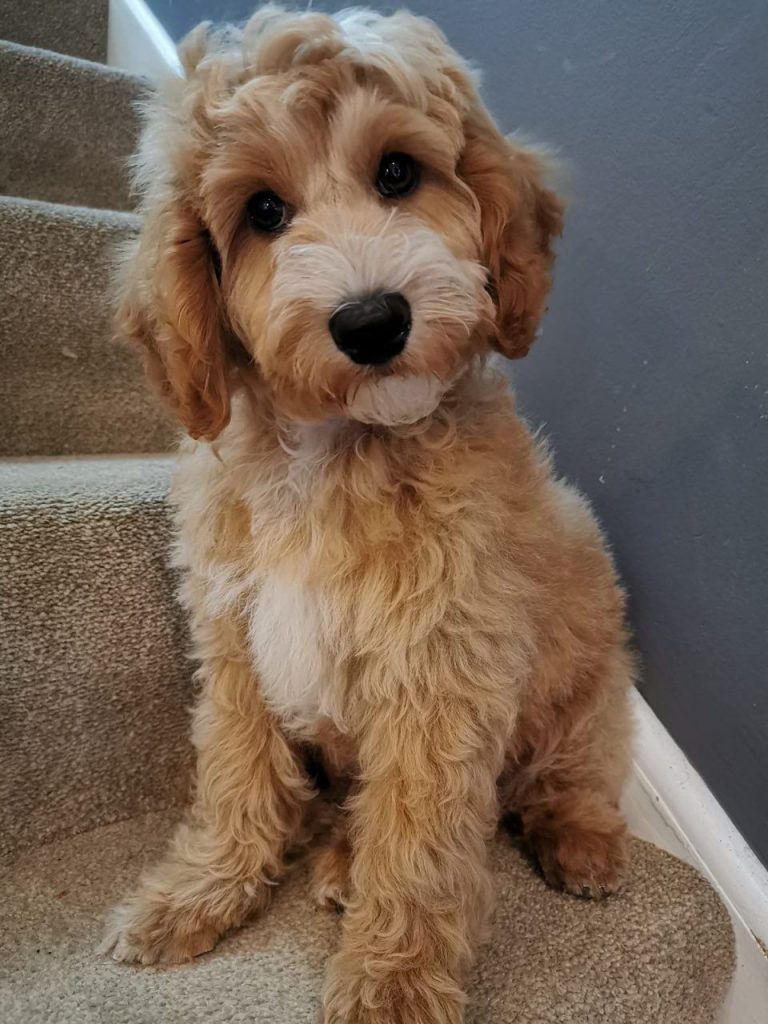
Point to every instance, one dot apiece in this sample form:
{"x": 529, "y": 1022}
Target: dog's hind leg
{"x": 330, "y": 870}
{"x": 250, "y": 793}
{"x": 564, "y": 784}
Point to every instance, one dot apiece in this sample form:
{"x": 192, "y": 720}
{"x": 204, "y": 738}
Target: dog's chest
{"x": 288, "y": 633}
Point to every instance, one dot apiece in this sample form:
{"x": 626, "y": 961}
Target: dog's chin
{"x": 393, "y": 401}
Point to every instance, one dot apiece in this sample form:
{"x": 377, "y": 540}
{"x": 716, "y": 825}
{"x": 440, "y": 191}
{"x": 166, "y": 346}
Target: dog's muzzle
{"x": 372, "y": 330}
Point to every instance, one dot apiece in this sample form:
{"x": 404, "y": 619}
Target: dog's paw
{"x": 330, "y": 876}
{"x": 148, "y": 931}
{"x": 588, "y": 864}
{"x": 395, "y": 1011}
{"x": 418, "y": 996}
{"x": 330, "y": 895}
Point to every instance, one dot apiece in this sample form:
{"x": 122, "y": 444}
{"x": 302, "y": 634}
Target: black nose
{"x": 372, "y": 330}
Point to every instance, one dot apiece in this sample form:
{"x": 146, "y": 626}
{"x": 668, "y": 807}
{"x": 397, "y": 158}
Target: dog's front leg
{"x": 223, "y": 860}
{"x": 420, "y": 887}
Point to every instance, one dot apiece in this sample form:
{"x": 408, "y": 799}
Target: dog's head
{"x": 329, "y": 207}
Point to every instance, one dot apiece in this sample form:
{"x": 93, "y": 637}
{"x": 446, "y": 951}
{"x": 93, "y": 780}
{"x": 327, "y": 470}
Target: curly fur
{"x": 378, "y": 564}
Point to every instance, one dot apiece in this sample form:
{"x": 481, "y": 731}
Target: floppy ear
{"x": 519, "y": 219}
{"x": 170, "y": 304}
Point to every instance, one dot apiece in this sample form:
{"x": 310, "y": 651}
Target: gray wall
{"x": 179, "y": 16}
{"x": 652, "y": 375}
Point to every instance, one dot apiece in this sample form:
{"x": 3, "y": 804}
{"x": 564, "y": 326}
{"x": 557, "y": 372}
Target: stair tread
{"x": 661, "y": 953}
{"x": 85, "y": 64}
{"x": 69, "y": 126}
{"x": 83, "y": 480}
{"x": 77, "y": 28}
{"x": 67, "y": 386}
{"x": 73, "y": 212}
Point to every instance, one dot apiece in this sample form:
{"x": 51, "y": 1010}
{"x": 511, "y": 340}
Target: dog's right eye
{"x": 397, "y": 176}
{"x": 267, "y": 212}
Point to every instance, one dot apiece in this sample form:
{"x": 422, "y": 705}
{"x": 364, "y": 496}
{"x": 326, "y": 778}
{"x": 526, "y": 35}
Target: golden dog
{"x": 379, "y": 563}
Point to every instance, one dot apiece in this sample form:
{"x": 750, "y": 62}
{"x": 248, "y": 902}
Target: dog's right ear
{"x": 170, "y": 304}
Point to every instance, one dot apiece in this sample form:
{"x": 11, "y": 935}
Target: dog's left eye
{"x": 267, "y": 212}
{"x": 397, "y": 176}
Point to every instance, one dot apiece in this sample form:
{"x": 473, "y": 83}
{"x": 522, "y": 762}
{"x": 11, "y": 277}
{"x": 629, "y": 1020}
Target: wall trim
{"x": 138, "y": 43}
{"x": 669, "y": 804}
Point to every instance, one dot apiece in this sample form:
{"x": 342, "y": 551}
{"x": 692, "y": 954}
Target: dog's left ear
{"x": 520, "y": 218}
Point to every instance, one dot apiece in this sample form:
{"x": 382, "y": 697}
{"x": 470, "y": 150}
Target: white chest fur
{"x": 287, "y": 639}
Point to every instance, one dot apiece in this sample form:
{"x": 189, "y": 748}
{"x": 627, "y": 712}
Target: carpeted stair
{"x": 66, "y": 387}
{"x": 94, "y": 681}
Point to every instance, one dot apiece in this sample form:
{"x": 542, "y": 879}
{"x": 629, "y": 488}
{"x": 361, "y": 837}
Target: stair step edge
{"x": 80, "y": 480}
{"x": 69, "y": 211}
{"x": 79, "y": 64}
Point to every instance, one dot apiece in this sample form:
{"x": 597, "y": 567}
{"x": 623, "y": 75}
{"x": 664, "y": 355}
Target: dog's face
{"x": 350, "y": 247}
{"x": 329, "y": 207}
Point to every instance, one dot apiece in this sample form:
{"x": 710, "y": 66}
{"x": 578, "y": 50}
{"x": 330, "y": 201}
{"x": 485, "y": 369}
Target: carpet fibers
{"x": 67, "y": 387}
{"x": 659, "y": 954}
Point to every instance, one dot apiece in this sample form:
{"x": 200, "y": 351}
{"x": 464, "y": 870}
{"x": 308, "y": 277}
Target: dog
{"x": 380, "y": 565}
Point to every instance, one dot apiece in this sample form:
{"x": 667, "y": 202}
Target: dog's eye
{"x": 398, "y": 175}
{"x": 267, "y": 212}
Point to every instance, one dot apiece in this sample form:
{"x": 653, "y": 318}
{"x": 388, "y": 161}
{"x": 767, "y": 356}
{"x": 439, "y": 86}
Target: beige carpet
{"x": 94, "y": 681}
{"x": 67, "y": 386}
{"x": 76, "y": 27}
{"x": 660, "y": 954}
{"x": 68, "y": 128}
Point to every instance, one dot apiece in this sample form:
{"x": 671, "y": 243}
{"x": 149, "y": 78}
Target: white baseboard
{"x": 668, "y": 804}
{"x": 137, "y": 42}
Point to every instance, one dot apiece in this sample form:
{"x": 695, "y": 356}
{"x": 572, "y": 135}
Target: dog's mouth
{"x": 390, "y": 400}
